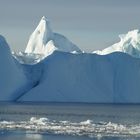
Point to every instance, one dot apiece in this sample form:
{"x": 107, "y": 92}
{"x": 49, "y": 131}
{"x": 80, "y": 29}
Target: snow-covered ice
{"x": 44, "y": 41}
{"x": 129, "y": 43}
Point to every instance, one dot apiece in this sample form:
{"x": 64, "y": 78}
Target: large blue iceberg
{"x": 53, "y": 69}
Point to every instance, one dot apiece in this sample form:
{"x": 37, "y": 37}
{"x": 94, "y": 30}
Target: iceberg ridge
{"x": 129, "y": 43}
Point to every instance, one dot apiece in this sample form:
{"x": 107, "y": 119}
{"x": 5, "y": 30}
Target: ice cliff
{"x": 13, "y": 82}
{"x": 67, "y": 77}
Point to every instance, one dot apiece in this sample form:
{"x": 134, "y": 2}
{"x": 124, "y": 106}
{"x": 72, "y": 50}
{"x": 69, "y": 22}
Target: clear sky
{"x": 91, "y": 24}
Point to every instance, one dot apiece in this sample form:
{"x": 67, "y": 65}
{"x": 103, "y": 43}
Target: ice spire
{"x": 39, "y": 37}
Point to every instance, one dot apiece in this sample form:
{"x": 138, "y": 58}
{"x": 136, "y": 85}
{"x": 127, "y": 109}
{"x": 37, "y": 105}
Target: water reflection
{"x": 33, "y": 136}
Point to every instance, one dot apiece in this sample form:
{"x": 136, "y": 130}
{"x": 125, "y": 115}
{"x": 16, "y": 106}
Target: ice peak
{"x": 39, "y": 38}
{"x": 44, "y": 29}
{"x": 44, "y": 41}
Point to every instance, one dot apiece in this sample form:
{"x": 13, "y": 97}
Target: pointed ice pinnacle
{"x": 44, "y": 42}
{"x": 39, "y": 37}
{"x": 2, "y": 39}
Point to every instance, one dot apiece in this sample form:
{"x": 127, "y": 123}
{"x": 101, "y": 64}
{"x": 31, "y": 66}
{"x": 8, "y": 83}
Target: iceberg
{"x": 53, "y": 69}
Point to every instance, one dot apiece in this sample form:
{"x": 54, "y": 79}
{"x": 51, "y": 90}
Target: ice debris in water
{"x": 84, "y": 128}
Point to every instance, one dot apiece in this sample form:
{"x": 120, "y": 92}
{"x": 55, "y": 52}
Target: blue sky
{"x": 91, "y": 24}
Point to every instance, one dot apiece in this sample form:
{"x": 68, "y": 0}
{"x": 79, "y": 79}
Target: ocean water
{"x": 69, "y": 121}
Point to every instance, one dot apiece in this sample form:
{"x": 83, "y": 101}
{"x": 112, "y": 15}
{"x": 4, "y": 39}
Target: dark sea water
{"x": 69, "y": 121}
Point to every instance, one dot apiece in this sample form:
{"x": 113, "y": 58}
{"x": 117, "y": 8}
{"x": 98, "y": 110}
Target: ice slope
{"x": 44, "y": 41}
{"x": 129, "y": 43}
{"x": 67, "y": 77}
{"x": 12, "y": 80}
